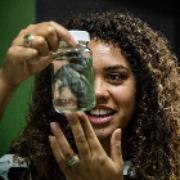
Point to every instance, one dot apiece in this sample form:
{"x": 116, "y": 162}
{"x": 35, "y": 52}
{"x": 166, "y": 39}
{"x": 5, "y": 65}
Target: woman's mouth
{"x": 100, "y": 115}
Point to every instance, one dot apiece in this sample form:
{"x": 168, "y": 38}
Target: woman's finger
{"x": 51, "y": 36}
{"x": 70, "y": 162}
{"x": 79, "y": 135}
{"x": 49, "y": 32}
{"x": 93, "y": 141}
{"x": 56, "y": 150}
{"x": 40, "y": 43}
{"x": 62, "y": 141}
{"x": 37, "y": 65}
{"x": 64, "y": 34}
{"x": 15, "y": 55}
{"x": 116, "y": 152}
{"x": 59, "y": 156}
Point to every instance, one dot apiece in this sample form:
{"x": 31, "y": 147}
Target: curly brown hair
{"x": 152, "y": 135}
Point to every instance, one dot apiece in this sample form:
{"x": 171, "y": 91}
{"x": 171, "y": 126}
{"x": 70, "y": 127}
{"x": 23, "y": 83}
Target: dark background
{"x": 163, "y": 16}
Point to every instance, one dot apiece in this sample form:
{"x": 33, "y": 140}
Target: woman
{"x": 136, "y": 116}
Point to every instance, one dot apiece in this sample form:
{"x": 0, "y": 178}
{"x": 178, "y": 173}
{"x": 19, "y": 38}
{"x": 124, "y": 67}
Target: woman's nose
{"x": 101, "y": 91}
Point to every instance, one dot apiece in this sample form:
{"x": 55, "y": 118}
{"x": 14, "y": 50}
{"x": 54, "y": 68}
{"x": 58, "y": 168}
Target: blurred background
{"x": 14, "y": 15}
{"x": 17, "y": 14}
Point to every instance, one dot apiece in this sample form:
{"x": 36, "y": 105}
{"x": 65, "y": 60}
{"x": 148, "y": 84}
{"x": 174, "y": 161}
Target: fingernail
{"x": 53, "y": 125}
{"x": 51, "y": 138}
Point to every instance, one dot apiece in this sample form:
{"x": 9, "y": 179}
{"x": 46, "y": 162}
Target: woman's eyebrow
{"x": 116, "y": 67}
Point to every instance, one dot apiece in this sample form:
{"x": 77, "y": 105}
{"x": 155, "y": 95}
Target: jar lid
{"x": 80, "y": 35}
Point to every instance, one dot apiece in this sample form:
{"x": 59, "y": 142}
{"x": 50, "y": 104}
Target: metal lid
{"x": 80, "y": 35}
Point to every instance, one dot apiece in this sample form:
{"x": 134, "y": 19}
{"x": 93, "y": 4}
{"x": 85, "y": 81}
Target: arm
{"x": 22, "y": 61}
{"x": 6, "y": 92}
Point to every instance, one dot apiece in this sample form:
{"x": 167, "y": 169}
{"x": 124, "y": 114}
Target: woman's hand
{"x": 22, "y": 61}
{"x": 93, "y": 162}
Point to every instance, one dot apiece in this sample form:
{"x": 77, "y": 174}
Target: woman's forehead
{"x": 103, "y": 52}
{"x": 102, "y": 48}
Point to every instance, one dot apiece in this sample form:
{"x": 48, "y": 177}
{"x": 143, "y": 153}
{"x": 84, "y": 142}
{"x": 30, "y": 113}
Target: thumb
{"x": 39, "y": 64}
{"x": 116, "y": 152}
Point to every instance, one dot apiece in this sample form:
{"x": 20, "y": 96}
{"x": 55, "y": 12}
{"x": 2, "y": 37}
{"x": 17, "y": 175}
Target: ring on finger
{"x": 27, "y": 40}
{"x": 73, "y": 161}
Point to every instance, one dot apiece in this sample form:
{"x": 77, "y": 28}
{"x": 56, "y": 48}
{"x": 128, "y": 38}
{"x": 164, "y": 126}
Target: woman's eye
{"x": 116, "y": 78}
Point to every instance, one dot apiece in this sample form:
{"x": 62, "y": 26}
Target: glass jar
{"x": 72, "y": 77}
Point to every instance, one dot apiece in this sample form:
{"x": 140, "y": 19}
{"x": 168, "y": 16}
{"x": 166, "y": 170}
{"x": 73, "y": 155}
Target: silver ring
{"x": 27, "y": 40}
{"x": 73, "y": 161}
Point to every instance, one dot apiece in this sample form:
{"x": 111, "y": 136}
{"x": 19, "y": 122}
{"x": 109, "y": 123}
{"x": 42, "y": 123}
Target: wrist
{"x": 5, "y": 84}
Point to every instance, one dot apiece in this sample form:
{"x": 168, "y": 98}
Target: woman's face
{"x": 114, "y": 87}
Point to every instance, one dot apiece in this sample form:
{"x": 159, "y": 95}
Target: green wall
{"x": 14, "y": 15}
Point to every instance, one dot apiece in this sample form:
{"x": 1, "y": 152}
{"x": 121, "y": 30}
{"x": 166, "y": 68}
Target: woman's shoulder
{"x": 13, "y": 166}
